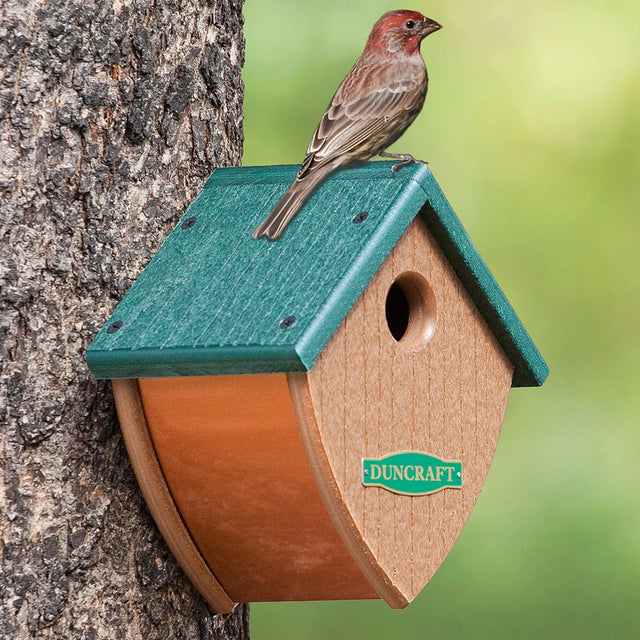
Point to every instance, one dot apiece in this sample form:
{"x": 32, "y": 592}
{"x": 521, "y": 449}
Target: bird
{"x": 373, "y": 106}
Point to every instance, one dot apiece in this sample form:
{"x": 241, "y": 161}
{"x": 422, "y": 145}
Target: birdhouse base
{"x": 231, "y": 490}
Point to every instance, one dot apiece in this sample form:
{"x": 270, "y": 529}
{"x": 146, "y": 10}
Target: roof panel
{"x": 213, "y": 298}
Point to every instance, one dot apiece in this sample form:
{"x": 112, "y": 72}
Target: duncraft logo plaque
{"x": 411, "y": 473}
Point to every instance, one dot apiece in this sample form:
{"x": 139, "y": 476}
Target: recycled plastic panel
{"x": 216, "y": 301}
{"x": 371, "y": 396}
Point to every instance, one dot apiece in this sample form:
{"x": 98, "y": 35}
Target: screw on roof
{"x": 287, "y": 322}
{"x": 360, "y": 217}
{"x": 187, "y": 223}
{"x": 114, "y": 326}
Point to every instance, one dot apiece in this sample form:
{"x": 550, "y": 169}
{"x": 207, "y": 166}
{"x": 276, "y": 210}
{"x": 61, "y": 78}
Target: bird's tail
{"x": 294, "y": 197}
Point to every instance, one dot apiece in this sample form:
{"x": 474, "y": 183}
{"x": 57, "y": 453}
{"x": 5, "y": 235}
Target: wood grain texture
{"x": 231, "y": 453}
{"x": 112, "y": 115}
{"x": 329, "y": 489}
{"x": 368, "y": 396}
{"x": 158, "y": 496}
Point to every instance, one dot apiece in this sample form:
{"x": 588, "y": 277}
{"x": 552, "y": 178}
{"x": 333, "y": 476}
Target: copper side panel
{"x": 231, "y": 453}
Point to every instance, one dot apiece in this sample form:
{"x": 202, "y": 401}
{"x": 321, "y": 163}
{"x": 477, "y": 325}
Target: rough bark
{"x": 112, "y": 115}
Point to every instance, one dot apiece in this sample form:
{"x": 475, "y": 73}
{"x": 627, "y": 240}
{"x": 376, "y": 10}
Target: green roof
{"x": 216, "y": 301}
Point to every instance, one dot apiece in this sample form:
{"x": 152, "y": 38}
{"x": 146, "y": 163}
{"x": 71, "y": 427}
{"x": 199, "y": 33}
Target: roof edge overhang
{"x": 173, "y": 362}
{"x": 530, "y": 369}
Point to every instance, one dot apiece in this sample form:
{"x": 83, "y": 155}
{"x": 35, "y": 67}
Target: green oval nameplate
{"x": 411, "y": 473}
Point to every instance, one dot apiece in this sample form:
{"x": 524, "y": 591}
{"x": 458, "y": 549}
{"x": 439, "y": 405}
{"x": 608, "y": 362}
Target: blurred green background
{"x": 532, "y": 128}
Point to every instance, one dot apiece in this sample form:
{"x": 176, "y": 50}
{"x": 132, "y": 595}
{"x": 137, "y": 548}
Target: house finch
{"x": 380, "y": 97}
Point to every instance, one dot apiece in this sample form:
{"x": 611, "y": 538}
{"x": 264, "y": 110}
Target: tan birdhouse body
{"x": 256, "y": 479}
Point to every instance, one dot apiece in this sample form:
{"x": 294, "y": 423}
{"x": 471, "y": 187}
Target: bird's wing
{"x": 358, "y": 114}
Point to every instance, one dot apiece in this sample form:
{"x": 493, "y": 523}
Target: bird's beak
{"x": 429, "y": 26}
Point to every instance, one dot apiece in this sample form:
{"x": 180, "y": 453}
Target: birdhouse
{"x": 314, "y": 418}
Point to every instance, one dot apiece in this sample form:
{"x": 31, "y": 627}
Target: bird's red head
{"x": 400, "y": 31}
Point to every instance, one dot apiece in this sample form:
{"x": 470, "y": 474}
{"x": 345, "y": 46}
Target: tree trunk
{"x": 112, "y": 115}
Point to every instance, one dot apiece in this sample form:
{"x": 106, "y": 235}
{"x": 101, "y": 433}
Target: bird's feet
{"x": 404, "y": 158}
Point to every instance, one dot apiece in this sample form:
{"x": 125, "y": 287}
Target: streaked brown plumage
{"x": 375, "y": 104}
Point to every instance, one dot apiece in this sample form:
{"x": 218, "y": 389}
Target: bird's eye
{"x": 409, "y": 24}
